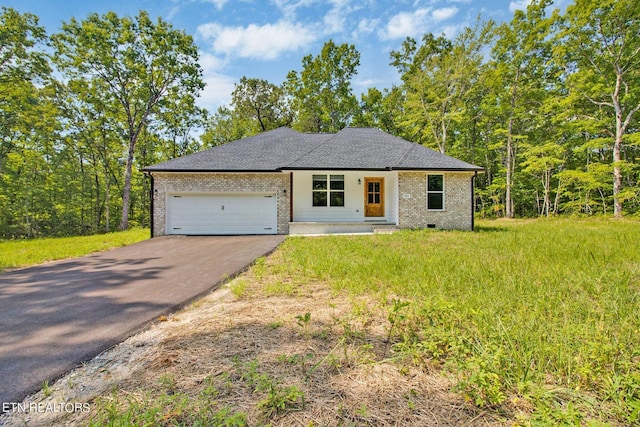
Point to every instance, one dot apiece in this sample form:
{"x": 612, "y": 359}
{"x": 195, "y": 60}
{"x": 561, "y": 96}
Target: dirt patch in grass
{"x": 308, "y": 356}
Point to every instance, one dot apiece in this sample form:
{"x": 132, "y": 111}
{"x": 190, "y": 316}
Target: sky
{"x": 266, "y": 39}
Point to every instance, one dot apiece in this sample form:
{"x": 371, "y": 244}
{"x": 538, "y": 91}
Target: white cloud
{"x": 336, "y": 16}
{"x": 444, "y": 13}
{"x": 265, "y": 42}
{"x": 365, "y": 26}
{"x": 451, "y": 31}
{"x": 218, "y": 3}
{"x": 211, "y": 62}
{"x": 406, "y": 24}
{"x": 411, "y": 24}
{"x": 519, "y": 5}
{"x": 218, "y": 87}
{"x": 290, "y": 7}
{"x": 217, "y": 91}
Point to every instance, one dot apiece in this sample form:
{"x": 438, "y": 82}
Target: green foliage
{"x": 540, "y": 312}
{"x": 438, "y": 75}
{"x": 547, "y": 103}
{"x": 167, "y": 409}
{"x": 139, "y": 72}
{"x": 322, "y": 94}
{"x": 278, "y": 398}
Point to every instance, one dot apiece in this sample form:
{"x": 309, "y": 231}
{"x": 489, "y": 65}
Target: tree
{"x": 262, "y": 102}
{"x": 23, "y": 67}
{"x": 224, "y": 126}
{"x": 380, "y": 110}
{"x": 437, "y": 76}
{"x": 145, "y": 68}
{"x": 601, "y": 47}
{"x": 323, "y": 99}
{"x": 520, "y": 59}
{"x": 29, "y": 125}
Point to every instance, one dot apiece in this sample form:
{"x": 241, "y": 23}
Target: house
{"x": 287, "y": 182}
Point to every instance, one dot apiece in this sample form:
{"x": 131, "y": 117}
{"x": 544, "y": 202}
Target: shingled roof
{"x": 285, "y": 149}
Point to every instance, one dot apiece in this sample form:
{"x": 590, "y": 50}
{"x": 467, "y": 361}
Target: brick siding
{"x": 412, "y": 203}
{"x": 165, "y": 183}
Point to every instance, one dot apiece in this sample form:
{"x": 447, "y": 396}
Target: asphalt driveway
{"x": 57, "y": 315}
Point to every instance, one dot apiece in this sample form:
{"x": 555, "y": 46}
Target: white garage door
{"x": 222, "y": 214}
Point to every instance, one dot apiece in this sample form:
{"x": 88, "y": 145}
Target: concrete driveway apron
{"x": 57, "y": 315}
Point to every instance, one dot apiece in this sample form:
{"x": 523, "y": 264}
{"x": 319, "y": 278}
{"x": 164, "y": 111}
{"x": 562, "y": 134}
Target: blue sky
{"x": 267, "y": 38}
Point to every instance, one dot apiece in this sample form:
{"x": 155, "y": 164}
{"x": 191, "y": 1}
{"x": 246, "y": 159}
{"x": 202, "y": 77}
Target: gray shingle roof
{"x": 286, "y": 149}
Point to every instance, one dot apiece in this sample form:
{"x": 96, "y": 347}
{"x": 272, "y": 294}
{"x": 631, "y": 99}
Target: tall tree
{"x": 225, "y": 126}
{"x": 380, "y": 109}
{"x": 438, "y": 75}
{"x": 323, "y": 98}
{"x": 520, "y": 59}
{"x": 145, "y": 68}
{"x": 29, "y": 125}
{"x": 261, "y": 102}
{"x": 23, "y": 67}
{"x": 602, "y": 51}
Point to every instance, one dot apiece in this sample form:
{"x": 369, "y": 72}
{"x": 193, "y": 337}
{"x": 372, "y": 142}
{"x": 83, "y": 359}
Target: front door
{"x": 373, "y": 197}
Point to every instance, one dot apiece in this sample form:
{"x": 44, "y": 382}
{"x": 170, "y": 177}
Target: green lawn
{"x": 537, "y": 321}
{"x": 24, "y": 253}
{"x": 537, "y": 317}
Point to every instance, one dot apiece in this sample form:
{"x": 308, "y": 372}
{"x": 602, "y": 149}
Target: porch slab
{"x": 307, "y": 228}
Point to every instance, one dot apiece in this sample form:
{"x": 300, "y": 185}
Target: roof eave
{"x": 213, "y": 170}
{"x": 333, "y": 169}
{"x": 481, "y": 170}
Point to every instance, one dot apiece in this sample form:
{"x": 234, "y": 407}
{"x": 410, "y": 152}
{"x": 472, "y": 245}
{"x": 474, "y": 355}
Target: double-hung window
{"x": 435, "y": 192}
{"x": 328, "y": 190}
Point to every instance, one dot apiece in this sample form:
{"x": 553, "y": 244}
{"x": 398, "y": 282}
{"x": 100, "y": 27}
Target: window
{"x": 435, "y": 192}
{"x": 328, "y": 190}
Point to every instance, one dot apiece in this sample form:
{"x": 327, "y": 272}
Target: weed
{"x": 395, "y": 316}
{"x": 303, "y": 321}
{"x": 278, "y": 398}
{"x": 259, "y": 268}
{"x": 167, "y": 382}
{"x": 238, "y": 287}
{"x": 46, "y": 388}
{"x": 276, "y": 324}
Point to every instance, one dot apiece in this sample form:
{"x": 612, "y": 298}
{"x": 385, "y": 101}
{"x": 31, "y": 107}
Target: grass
{"x": 533, "y": 322}
{"x": 538, "y": 317}
{"x": 24, "y": 253}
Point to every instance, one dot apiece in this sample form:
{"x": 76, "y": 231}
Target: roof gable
{"x": 286, "y": 149}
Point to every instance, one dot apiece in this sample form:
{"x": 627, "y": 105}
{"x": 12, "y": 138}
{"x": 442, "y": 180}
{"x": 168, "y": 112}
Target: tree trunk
{"x": 547, "y": 190}
{"x": 617, "y": 144}
{"x": 126, "y": 192}
{"x": 509, "y": 183}
{"x": 510, "y": 148}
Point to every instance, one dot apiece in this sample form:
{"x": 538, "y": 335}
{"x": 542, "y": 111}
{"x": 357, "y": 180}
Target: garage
{"x": 221, "y": 213}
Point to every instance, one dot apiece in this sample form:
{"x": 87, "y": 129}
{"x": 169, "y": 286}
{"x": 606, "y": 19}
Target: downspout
{"x": 290, "y": 196}
{"x": 151, "y": 194}
{"x": 473, "y": 200}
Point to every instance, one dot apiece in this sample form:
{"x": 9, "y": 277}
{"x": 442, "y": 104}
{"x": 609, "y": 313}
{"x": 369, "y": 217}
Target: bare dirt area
{"x": 304, "y": 357}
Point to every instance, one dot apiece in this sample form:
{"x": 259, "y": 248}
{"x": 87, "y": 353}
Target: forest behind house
{"x": 548, "y": 104}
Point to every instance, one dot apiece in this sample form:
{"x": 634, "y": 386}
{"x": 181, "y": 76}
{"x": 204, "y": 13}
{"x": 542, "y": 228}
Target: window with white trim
{"x": 435, "y": 192}
{"x": 328, "y": 190}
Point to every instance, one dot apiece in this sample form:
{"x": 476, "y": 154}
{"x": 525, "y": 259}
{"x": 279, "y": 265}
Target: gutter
{"x": 473, "y": 200}
{"x": 151, "y": 204}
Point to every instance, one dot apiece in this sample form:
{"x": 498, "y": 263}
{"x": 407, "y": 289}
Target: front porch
{"x": 316, "y": 228}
